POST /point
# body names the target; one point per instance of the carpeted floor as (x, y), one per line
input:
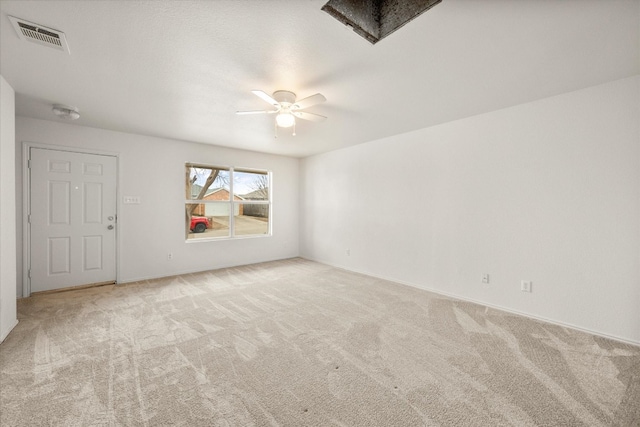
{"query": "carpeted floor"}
(297, 343)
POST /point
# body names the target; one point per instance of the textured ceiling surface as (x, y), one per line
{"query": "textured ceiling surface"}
(180, 69)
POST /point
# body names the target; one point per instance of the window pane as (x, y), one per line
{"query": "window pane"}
(251, 219)
(251, 185)
(207, 220)
(207, 183)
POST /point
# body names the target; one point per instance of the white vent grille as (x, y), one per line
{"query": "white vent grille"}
(40, 34)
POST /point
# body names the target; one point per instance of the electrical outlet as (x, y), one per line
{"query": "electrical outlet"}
(348, 252)
(526, 286)
(485, 278)
(169, 256)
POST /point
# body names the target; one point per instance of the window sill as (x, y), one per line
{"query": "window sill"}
(220, 239)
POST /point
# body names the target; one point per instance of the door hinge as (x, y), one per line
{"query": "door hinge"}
(29, 273)
(29, 219)
(29, 164)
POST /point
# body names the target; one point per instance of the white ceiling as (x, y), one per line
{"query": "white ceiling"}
(180, 69)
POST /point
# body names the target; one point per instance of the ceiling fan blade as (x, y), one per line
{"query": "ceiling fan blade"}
(309, 101)
(266, 98)
(257, 112)
(309, 116)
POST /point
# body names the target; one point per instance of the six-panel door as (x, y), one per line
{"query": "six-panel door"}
(72, 219)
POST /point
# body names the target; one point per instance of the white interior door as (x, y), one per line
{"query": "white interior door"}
(72, 219)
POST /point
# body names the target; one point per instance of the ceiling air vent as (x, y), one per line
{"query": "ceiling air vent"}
(40, 34)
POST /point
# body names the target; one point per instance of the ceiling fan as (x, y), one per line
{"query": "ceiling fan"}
(287, 108)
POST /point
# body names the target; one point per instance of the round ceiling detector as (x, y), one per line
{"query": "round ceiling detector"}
(66, 112)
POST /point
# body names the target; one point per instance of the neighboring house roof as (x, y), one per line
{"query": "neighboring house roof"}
(195, 190)
(257, 194)
(215, 190)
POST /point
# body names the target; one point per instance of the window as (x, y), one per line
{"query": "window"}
(224, 202)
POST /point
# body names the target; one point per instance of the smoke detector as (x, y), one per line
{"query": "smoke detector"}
(40, 34)
(66, 112)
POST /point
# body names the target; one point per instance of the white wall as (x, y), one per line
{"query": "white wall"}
(547, 191)
(7, 210)
(153, 168)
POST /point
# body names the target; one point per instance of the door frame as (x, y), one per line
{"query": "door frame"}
(26, 204)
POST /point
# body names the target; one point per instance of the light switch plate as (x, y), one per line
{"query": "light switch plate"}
(131, 200)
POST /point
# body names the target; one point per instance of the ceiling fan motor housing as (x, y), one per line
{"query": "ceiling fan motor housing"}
(284, 97)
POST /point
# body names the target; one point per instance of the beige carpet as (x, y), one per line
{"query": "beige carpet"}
(297, 343)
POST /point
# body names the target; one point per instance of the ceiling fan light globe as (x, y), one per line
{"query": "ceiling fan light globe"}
(285, 120)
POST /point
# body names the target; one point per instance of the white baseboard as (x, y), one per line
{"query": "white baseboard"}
(6, 334)
(483, 303)
(214, 267)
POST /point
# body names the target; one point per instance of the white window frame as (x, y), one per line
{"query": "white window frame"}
(232, 203)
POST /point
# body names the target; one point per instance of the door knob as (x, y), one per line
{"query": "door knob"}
(110, 227)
